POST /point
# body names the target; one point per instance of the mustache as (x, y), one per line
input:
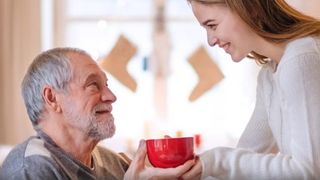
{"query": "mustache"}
(102, 107)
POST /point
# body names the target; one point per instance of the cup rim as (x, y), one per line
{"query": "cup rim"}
(172, 138)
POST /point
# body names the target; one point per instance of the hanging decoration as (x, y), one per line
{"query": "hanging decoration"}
(117, 60)
(208, 72)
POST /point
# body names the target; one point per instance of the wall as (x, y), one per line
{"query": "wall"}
(20, 41)
(309, 7)
(20, 37)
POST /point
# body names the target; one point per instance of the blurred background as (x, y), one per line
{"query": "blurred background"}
(165, 36)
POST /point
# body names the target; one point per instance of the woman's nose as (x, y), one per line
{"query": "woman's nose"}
(212, 41)
(211, 38)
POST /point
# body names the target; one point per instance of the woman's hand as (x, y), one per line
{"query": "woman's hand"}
(195, 172)
(138, 171)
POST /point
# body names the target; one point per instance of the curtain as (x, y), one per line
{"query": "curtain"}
(20, 35)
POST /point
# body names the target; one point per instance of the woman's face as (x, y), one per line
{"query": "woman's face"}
(225, 29)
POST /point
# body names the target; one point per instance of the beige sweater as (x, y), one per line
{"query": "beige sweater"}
(286, 119)
(39, 158)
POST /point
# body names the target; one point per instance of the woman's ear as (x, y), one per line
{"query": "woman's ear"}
(50, 98)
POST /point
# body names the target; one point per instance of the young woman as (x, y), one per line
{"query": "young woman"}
(282, 138)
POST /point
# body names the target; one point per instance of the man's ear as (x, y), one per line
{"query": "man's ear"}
(50, 98)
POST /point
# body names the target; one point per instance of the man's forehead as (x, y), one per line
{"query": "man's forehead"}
(84, 66)
(76, 57)
(80, 61)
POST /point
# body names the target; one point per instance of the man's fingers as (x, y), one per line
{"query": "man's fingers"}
(139, 158)
(137, 164)
(141, 152)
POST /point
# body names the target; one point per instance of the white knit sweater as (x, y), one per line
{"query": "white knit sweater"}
(286, 120)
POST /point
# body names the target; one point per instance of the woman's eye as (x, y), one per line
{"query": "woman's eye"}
(212, 26)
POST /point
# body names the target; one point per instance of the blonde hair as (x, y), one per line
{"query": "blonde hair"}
(273, 20)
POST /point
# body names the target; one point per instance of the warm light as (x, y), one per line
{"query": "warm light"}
(102, 24)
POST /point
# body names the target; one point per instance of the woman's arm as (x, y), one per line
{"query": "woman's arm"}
(257, 135)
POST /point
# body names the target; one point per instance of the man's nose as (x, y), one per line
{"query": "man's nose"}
(107, 95)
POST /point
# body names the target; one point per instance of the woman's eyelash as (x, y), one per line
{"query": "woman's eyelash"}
(212, 26)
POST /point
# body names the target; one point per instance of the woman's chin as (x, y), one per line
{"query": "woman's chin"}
(237, 58)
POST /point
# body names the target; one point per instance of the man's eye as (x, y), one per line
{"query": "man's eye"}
(94, 84)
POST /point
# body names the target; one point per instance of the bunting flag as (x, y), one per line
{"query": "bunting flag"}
(208, 72)
(116, 62)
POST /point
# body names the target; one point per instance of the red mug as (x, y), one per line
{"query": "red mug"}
(169, 152)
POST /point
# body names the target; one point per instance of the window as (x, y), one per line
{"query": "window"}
(220, 115)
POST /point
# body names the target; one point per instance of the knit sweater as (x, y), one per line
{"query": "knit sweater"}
(282, 138)
(40, 158)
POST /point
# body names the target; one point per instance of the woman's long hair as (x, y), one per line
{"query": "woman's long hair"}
(274, 20)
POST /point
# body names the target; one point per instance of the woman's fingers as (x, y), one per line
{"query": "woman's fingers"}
(195, 172)
(137, 169)
(168, 173)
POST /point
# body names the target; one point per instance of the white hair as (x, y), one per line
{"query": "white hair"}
(51, 68)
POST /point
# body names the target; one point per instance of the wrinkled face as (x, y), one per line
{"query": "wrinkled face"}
(88, 102)
(225, 29)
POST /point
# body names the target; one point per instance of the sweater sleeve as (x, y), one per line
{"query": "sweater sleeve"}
(263, 140)
(34, 167)
(299, 86)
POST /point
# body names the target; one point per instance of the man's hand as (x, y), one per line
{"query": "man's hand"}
(138, 171)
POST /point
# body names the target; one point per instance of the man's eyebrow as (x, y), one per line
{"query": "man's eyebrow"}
(90, 77)
(105, 76)
(95, 76)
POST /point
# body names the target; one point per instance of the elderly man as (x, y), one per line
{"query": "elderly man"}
(69, 104)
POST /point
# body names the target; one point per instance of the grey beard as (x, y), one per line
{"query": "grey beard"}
(89, 124)
(101, 130)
